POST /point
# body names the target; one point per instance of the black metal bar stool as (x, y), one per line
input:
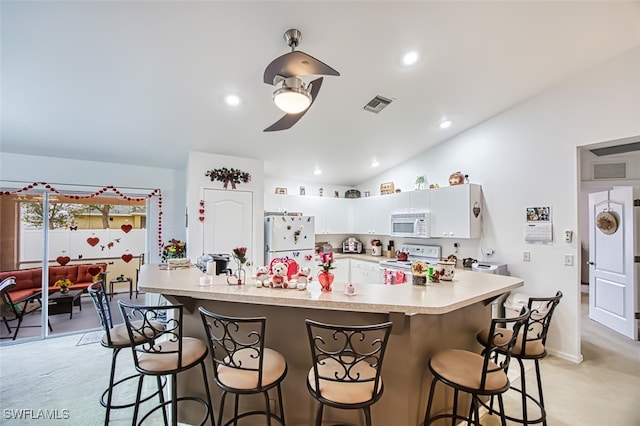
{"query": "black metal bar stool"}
(241, 363)
(116, 338)
(530, 345)
(347, 362)
(165, 352)
(475, 374)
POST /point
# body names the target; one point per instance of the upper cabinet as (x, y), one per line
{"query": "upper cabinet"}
(332, 215)
(411, 201)
(453, 211)
(371, 215)
(456, 211)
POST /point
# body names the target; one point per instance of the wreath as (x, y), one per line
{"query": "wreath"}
(229, 176)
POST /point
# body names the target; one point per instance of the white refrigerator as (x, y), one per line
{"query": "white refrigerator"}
(291, 239)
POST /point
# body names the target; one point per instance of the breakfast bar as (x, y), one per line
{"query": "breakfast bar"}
(426, 319)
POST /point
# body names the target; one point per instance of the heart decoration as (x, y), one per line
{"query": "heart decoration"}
(308, 257)
(127, 257)
(63, 260)
(201, 211)
(126, 228)
(93, 241)
(94, 270)
(201, 218)
(292, 265)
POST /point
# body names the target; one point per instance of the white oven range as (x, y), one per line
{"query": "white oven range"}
(389, 267)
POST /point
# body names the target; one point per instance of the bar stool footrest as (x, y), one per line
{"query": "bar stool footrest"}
(540, 419)
(273, 416)
(129, 404)
(208, 414)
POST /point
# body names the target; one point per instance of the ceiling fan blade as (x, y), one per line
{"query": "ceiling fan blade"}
(296, 63)
(289, 120)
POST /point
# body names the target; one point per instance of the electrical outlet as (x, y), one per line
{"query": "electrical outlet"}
(488, 252)
(568, 260)
(526, 256)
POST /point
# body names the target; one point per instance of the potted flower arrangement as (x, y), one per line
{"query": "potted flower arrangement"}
(239, 254)
(64, 285)
(325, 277)
(174, 249)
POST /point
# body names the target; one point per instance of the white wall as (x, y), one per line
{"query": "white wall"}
(62, 171)
(198, 164)
(527, 156)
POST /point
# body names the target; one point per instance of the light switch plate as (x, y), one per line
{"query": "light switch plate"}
(568, 260)
(526, 256)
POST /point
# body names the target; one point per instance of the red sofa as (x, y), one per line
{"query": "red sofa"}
(29, 281)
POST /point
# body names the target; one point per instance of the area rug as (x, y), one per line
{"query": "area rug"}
(88, 338)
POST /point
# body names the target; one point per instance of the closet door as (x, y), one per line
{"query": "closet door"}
(229, 221)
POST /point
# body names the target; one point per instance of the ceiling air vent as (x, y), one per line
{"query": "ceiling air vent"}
(377, 104)
(610, 171)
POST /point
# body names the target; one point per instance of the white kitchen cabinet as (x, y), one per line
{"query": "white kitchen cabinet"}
(341, 272)
(337, 216)
(453, 211)
(411, 201)
(372, 215)
(364, 272)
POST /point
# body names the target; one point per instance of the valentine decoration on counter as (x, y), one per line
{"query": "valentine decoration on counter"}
(126, 228)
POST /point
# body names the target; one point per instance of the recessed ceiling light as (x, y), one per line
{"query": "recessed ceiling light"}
(232, 100)
(410, 58)
(375, 163)
(445, 124)
(317, 172)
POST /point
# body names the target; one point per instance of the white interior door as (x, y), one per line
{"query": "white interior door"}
(229, 222)
(613, 288)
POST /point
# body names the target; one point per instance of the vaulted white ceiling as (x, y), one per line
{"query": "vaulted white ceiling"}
(143, 82)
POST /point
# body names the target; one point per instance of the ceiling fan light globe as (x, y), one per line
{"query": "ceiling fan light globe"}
(292, 100)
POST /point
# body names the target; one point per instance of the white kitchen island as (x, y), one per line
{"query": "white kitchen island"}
(426, 319)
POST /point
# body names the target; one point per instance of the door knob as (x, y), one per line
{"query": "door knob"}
(591, 263)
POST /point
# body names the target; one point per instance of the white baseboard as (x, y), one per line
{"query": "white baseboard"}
(564, 355)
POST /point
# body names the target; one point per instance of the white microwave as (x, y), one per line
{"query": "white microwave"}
(410, 225)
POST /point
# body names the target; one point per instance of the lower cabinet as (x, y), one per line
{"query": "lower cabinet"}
(341, 272)
(363, 272)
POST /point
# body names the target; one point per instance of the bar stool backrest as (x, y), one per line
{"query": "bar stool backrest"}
(348, 350)
(541, 311)
(502, 343)
(158, 327)
(101, 303)
(232, 340)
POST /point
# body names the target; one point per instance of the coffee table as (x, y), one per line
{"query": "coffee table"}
(63, 303)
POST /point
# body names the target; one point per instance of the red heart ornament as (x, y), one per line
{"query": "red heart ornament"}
(127, 257)
(93, 241)
(63, 260)
(126, 228)
(201, 211)
(94, 270)
(201, 218)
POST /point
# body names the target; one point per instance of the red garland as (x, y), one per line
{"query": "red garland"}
(155, 192)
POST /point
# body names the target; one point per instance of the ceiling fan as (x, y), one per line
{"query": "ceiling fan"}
(292, 95)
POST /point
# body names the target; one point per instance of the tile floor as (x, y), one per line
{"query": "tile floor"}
(59, 375)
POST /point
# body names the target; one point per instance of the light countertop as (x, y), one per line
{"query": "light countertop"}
(435, 298)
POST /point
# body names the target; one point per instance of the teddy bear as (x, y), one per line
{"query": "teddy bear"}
(303, 277)
(262, 276)
(279, 276)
